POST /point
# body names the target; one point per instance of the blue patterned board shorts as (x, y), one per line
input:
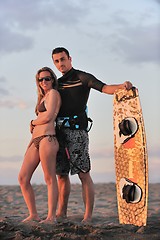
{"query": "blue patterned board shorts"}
(73, 154)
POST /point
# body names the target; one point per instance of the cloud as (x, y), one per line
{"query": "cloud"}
(130, 36)
(19, 20)
(11, 41)
(3, 80)
(154, 152)
(15, 103)
(102, 153)
(11, 159)
(135, 35)
(9, 101)
(3, 90)
(138, 44)
(31, 14)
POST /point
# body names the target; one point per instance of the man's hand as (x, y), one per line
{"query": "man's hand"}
(127, 85)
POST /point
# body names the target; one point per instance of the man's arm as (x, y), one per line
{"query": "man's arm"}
(110, 89)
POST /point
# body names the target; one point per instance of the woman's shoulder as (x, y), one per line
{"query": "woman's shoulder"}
(54, 92)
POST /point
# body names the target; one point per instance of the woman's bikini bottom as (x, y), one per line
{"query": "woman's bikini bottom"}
(37, 140)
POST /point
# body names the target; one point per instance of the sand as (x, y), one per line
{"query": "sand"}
(105, 223)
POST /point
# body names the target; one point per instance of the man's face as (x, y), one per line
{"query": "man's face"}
(62, 62)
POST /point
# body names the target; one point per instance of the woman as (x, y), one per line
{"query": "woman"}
(43, 146)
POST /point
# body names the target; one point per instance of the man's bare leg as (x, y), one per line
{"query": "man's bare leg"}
(88, 195)
(64, 191)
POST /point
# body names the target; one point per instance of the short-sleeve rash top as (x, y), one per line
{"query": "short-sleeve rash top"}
(74, 88)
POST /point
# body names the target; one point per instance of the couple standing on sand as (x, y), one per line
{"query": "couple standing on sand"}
(60, 136)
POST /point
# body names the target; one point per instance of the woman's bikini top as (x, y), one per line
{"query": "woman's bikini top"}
(41, 107)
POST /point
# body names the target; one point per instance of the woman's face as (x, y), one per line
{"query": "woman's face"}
(45, 81)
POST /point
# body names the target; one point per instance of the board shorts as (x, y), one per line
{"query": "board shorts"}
(73, 155)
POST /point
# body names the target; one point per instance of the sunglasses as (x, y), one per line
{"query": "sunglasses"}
(47, 79)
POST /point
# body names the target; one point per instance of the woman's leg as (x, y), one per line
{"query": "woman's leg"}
(48, 152)
(30, 163)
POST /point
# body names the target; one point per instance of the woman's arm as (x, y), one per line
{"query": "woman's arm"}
(51, 106)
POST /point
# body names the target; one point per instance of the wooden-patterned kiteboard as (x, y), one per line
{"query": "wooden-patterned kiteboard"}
(131, 160)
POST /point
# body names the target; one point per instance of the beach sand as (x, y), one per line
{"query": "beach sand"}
(105, 223)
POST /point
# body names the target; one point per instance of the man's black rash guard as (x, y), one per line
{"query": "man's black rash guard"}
(74, 88)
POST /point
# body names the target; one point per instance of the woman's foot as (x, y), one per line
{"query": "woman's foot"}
(32, 218)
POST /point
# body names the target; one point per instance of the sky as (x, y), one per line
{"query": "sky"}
(114, 40)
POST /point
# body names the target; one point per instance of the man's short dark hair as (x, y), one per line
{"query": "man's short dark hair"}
(59, 50)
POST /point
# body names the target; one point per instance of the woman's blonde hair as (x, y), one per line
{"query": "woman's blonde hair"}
(40, 91)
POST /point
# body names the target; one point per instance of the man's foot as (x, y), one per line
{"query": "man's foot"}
(61, 218)
(49, 221)
(87, 221)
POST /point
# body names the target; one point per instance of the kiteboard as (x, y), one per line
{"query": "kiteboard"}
(131, 159)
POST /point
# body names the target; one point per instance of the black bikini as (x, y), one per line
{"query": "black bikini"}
(36, 141)
(41, 107)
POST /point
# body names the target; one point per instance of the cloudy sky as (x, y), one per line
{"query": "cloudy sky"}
(114, 40)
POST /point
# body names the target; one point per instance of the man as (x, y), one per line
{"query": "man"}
(72, 122)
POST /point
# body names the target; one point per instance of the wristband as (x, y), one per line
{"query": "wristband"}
(32, 124)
